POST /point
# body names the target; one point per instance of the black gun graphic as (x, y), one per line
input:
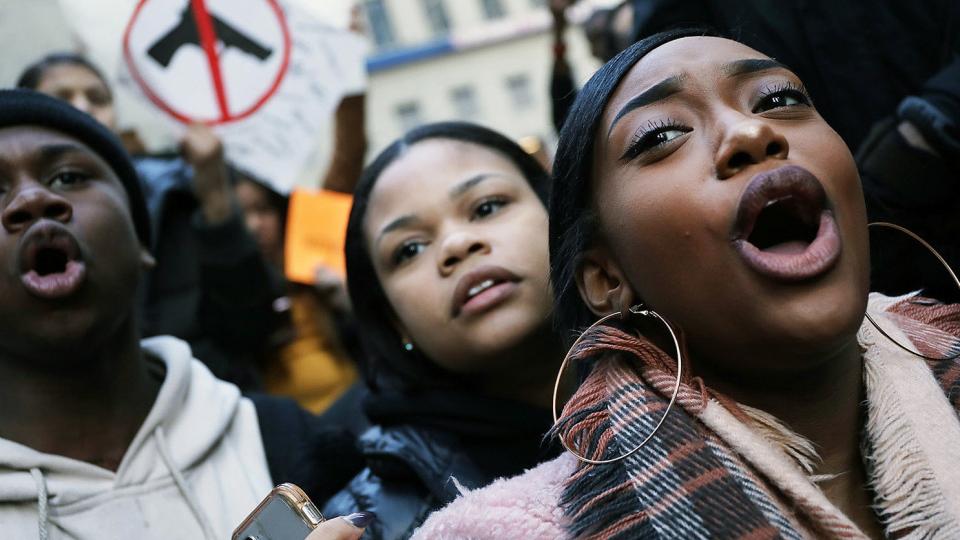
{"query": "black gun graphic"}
(185, 33)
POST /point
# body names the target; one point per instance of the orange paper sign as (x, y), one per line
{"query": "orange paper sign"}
(316, 231)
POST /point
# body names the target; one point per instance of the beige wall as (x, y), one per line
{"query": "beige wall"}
(520, 43)
(486, 69)
(30, 29)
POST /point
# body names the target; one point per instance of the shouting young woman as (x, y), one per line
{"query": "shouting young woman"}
(696, 182)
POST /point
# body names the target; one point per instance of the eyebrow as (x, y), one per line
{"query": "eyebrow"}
(752, 65)
(674, 84)
(51, 152)
(399, 223)
(455, 191)
(661, 90)
(469, 184)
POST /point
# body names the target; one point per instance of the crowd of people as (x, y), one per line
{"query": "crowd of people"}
(681, 328)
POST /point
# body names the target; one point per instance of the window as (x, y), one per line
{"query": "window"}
(380, 26)
(437, 16)
(408, 115)
(492, 9)
(465, 102)
(519, 88)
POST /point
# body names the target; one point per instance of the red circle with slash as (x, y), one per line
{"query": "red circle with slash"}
(208, 42)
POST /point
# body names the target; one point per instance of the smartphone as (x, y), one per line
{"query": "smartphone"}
(285, 514)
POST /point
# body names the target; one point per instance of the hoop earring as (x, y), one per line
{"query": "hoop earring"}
(942, 261)
(635, 310)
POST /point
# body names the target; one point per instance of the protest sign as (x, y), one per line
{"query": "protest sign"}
(210, 61)
(316, 231)
(265, 74)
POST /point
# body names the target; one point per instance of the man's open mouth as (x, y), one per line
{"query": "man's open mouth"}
(784, 227)
(51, 265)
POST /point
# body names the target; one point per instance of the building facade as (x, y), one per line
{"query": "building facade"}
(485, 61)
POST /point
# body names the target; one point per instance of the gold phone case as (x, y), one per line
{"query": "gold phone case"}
(286, 513)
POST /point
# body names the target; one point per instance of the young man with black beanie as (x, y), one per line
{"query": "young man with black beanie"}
(101, 434)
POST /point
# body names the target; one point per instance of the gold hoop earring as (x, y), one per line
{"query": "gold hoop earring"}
(940, 258)
(635, 310)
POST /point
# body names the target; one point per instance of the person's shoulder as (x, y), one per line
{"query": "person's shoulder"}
(942, 316)
(927, 324)
(927, 327)
(524, 506)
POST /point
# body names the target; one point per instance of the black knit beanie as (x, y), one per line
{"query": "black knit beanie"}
(29, 108)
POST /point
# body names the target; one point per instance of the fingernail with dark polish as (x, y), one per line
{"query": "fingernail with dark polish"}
(361, 519)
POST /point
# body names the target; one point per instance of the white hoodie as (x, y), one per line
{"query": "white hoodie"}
(194, 470)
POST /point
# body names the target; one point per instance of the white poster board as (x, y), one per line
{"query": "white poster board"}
(266, 75)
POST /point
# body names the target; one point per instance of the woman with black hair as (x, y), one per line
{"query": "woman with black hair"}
(708, 236)
(447, 272)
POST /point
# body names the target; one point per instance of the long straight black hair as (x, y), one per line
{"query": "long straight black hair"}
(387, 364)
(572, 222)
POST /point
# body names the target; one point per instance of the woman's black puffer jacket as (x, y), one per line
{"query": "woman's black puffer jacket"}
(422, 448)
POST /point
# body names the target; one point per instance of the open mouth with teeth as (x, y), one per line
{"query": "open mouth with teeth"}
(479, 288)
(784, 228)
(482, 289)
(50, 262)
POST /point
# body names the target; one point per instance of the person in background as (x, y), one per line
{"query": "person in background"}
(102, 434)
(696, 180)
(608, 31)
(306, 358)
(210, 286)
(452, 300)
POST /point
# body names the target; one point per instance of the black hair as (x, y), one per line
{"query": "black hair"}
(275, 200)
(572, 223)
(33, 74)
(388, 365)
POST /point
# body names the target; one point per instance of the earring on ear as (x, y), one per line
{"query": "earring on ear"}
(623, 308)
(940, 259)
(638, 310)
(407, 346)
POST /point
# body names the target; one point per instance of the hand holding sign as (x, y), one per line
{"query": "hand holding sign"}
(203, 150)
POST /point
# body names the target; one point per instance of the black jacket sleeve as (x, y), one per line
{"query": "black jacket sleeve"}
(236, 290)
(304, 450)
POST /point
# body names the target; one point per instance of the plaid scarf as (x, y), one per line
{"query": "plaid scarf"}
(719, 470)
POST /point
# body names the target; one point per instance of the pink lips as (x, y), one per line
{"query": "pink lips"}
(803, 204)
(50, 262)
(482, 289)
(59, 285)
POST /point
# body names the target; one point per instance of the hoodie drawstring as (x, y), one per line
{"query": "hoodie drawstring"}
(41, 482)
(182, 485)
